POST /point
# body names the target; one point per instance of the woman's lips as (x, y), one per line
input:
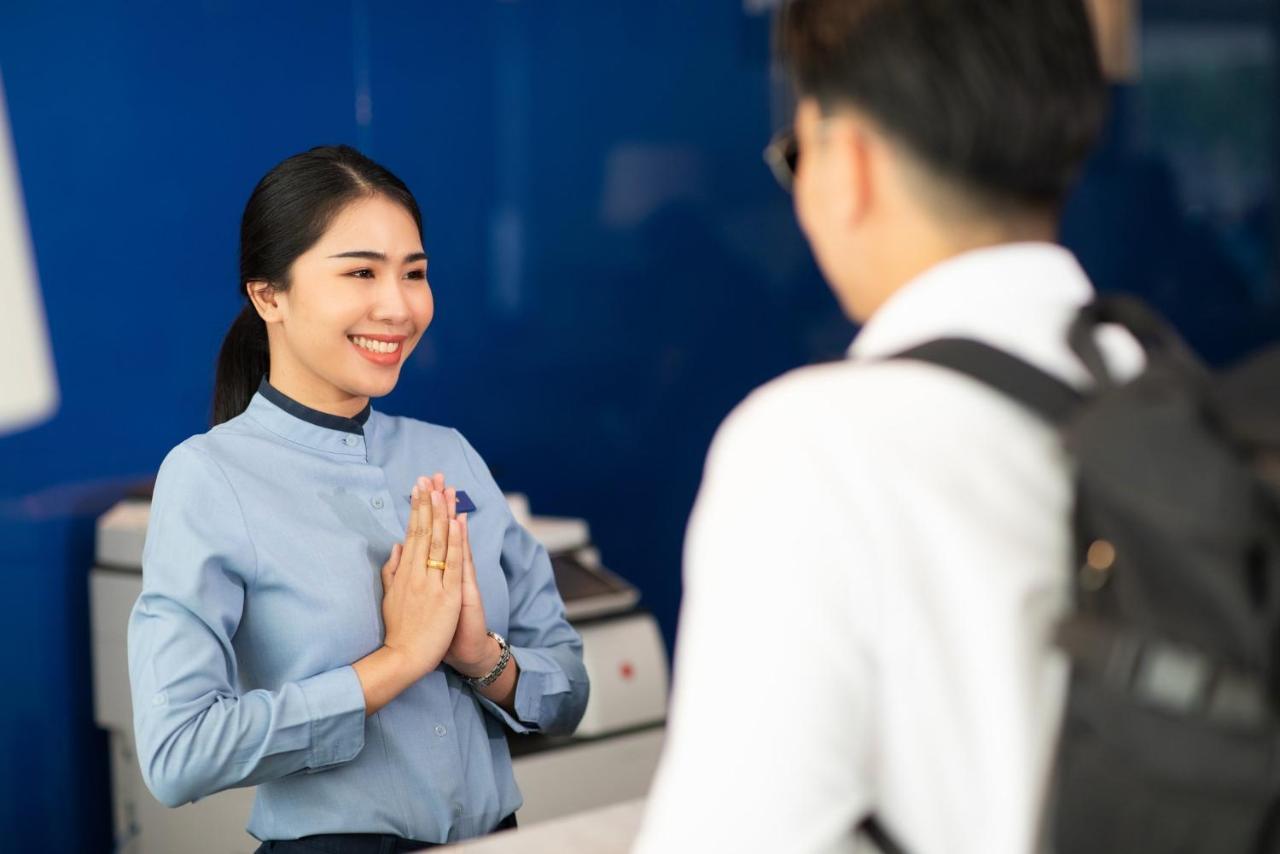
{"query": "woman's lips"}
(379, 349)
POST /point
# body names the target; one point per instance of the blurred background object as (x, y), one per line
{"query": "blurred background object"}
(1178, 202)
(613, 265)
(30, 392)
(1116, 27)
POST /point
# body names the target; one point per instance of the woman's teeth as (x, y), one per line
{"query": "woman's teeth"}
(375, 346)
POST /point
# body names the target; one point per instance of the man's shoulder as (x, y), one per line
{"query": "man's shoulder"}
(880, 397)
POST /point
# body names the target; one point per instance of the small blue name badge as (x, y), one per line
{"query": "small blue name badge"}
(465, 504)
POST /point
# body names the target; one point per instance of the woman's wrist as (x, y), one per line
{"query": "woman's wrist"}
(482, 666)
(384, 674)
(503, 689)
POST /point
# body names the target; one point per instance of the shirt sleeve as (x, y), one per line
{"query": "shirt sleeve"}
(552, 688)
(195, 734)
(767, 738)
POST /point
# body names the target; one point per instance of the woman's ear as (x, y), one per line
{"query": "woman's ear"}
(265, 302)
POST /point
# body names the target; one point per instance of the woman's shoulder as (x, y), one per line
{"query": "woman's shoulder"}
(421, 436)
(190, 467)
(404, 429)
(405, 424)
(210, 451)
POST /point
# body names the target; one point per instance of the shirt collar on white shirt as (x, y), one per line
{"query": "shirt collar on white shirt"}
(1019, 297)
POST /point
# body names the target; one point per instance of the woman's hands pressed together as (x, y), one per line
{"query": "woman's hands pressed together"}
(472, 653)
(431, 606)
(421, 601)
(422, 583)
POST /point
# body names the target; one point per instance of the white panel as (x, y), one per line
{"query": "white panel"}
(626, 661)
(28, 390)
(570, 780)
(111, 598)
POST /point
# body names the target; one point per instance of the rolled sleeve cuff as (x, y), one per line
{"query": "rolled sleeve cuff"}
(539, 676)
(335, 704)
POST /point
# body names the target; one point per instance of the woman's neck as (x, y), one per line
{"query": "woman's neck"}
(312, 391)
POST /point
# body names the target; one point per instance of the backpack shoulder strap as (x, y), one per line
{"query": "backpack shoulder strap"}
(1046, 395)
(881, 838)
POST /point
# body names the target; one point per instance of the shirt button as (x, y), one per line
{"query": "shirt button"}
(440, 730)
(457, 809)
(351, 440)
(377, 502)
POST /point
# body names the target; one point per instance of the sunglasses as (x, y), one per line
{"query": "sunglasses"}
(783, 154)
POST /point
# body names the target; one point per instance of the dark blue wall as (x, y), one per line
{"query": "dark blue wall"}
(613, 269)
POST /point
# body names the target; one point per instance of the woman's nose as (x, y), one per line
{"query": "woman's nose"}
(389, 302)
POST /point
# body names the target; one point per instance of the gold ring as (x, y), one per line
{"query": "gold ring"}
(436, 564)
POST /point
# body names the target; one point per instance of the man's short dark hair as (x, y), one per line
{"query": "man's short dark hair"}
(1003, 98)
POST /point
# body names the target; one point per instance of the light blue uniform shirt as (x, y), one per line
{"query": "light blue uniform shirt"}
(262, 585)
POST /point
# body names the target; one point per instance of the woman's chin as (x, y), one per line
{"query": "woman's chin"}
(381, 389)
(380, 386)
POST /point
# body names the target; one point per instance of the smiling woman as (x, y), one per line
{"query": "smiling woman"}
(339, 301)
(330, 249)
(312, 601)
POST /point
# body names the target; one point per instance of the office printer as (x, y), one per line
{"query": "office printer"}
(611, 758)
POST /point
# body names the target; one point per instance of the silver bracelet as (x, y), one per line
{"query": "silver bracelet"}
(492, 676)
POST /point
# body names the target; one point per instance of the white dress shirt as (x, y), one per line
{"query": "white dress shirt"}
(873, 569)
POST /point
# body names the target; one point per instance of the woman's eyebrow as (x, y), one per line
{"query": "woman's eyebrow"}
(369, 255)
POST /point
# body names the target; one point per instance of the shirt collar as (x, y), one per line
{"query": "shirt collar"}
(1019, 297)
(314, 416)
(299, 423)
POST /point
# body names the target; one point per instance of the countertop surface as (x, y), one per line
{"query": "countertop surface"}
(608, 830)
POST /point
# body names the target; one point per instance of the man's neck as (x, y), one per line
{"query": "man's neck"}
(924, 248)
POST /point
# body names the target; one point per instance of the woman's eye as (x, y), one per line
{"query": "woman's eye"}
(416, 274)
(362, 273)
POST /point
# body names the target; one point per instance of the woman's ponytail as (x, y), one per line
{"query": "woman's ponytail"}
(242, 363)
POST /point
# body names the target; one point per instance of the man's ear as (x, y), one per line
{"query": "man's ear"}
(264, 299)
(854, 150)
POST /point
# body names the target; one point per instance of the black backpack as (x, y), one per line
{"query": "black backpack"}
(1170, 737)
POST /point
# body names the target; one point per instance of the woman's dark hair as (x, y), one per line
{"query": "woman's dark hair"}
(286, 215)
(1001, 98)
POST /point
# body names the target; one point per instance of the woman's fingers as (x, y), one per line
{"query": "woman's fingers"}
(422, 521)
(414, 540)
(468, 563)
(429, 523)
(454, 562)
(439, 522)
(389, 568)
(433, 506)
(470, 587)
